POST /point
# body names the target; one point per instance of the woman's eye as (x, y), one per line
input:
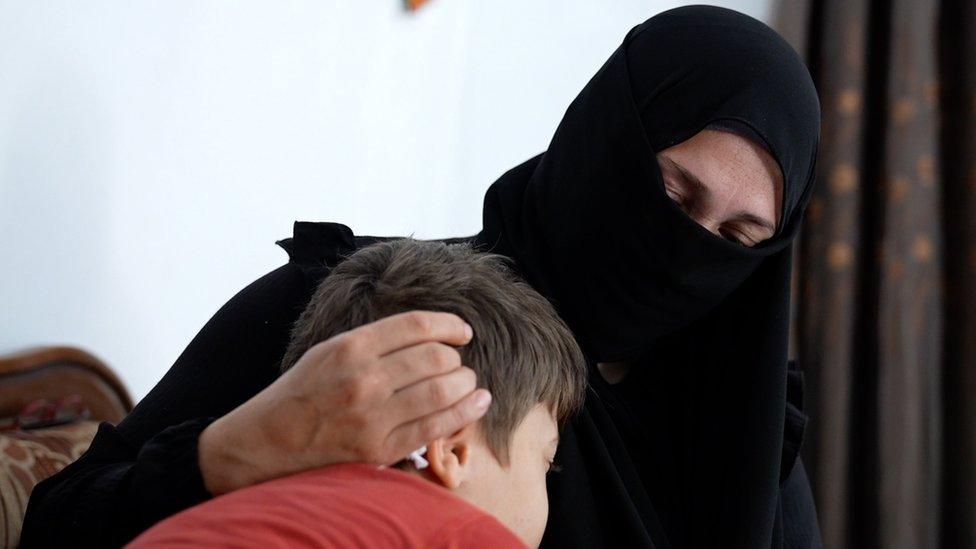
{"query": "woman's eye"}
(736, 236)
(673, 195)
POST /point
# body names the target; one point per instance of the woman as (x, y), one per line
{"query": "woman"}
(659, 221)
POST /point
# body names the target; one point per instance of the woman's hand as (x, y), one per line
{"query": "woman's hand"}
(373, 394)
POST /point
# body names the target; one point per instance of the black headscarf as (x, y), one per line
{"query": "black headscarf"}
(689, 449)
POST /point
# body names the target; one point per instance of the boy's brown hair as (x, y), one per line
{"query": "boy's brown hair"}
(522, 352)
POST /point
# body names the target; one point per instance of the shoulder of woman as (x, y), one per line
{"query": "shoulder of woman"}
(317, 247)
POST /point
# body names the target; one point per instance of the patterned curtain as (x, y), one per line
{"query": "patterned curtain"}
(885, 304)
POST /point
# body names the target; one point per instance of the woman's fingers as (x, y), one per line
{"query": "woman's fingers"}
(413, 364)
(414, 434)
(402, 330)
(432, 394)
(397, 380)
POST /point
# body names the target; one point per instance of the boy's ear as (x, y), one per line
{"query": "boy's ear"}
(450, 457)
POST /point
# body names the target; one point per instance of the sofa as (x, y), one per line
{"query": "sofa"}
(51, 402)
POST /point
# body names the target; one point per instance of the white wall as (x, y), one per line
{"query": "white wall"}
(152, 152)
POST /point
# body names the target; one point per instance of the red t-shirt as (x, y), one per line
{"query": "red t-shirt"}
(349, 505)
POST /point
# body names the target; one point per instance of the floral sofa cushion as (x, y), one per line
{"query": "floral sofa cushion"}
(28, 457)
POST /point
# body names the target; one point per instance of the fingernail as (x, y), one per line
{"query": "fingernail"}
(482, 400)
(468, 332)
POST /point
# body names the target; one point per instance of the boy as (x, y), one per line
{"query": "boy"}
(482, 486)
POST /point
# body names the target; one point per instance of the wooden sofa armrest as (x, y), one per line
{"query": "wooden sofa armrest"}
(52, 373)
(45, 376)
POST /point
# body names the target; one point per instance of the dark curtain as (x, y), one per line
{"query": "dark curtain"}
(885, 288)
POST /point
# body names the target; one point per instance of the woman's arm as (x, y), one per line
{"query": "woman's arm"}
(146, 468)
(342, 401)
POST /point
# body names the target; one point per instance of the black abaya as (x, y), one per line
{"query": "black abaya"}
(696, 447)
(692, 443)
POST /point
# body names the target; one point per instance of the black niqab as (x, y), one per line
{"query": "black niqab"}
(689, 450)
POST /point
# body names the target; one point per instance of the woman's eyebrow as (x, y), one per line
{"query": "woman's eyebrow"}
(762, 222)
(700, 188)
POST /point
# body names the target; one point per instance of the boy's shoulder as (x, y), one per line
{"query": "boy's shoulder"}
(405, 510)
(348, 505)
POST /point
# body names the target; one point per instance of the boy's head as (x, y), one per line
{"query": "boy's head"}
(521, 352)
